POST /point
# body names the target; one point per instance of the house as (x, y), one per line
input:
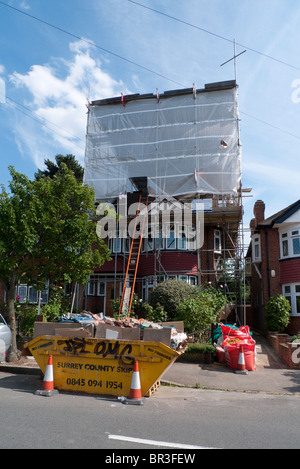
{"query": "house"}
(169, 167)
(275, 261)
(178, 151)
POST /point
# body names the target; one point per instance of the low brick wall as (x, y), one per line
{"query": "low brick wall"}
(288, 351)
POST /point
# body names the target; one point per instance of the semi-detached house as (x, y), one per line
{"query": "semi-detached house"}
(275, 261)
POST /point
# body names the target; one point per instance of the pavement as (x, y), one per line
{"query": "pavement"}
(270, 376)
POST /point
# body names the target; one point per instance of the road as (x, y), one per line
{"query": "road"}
(175, 419)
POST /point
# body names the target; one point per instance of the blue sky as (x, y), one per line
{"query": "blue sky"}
(102, 48)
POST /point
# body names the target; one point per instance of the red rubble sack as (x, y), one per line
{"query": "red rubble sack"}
(232, 351)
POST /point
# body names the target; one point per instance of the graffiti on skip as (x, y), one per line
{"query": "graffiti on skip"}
(101, 348)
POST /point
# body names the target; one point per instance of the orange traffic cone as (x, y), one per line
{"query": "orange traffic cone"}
(48, 383)
(241, 367)
(135, 394)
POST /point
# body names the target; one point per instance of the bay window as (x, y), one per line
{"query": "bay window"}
(290, 243)
(292, 294)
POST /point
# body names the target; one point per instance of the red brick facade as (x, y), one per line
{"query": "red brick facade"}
(270, 272)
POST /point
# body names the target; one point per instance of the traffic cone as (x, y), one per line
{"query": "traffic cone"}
(135, 394)
(241, 367)
(48, 383)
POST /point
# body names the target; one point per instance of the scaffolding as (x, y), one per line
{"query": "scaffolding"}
(183, 144)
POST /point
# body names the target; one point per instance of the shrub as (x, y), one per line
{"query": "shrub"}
(27, 317)
(169, 294)
(277, 313)
(157, 314)
(201, 309)
(196, 347)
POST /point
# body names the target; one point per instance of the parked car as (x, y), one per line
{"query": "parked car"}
(5, 338)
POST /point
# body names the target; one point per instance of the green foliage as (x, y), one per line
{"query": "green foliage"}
(26, 315)
(295, 338)
(54, 168)
(201, 309)
(169, 294)
(196, 347)
(57, 305)
(47, 226)
(277, 313)
(157, 314)
(142, 310)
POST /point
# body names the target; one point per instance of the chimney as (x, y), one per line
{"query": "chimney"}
(252, 226)
(259, 212)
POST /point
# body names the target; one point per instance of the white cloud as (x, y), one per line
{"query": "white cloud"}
(24, 5)
(57, 95)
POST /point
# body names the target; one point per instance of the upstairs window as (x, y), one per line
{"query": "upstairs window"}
(295, 235)
(290, 243)
(217, 241)
(284, 245)
(256, 250)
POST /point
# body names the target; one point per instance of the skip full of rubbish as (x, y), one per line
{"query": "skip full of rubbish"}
(176, 338)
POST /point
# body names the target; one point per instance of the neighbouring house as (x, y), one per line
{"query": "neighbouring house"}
(274, 255)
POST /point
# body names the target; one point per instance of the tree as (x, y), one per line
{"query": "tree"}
(53, 168)
(47, 228)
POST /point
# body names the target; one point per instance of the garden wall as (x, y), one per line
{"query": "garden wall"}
(288, 351)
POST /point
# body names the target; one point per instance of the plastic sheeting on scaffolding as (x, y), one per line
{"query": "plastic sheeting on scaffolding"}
(185, 143)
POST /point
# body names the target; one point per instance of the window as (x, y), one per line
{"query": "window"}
(22, 292)
(96, 286)
(284, 245)
(290, 243)
(101, 288)
(182, 241)
(217, 241)
(150, 282)
(256, 253)
(296, 242)
(292, 294)
(171, 239)
(32, 295)
(28, 293)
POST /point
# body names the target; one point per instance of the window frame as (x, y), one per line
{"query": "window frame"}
(256, 243)
(290, 243)
(291, 291)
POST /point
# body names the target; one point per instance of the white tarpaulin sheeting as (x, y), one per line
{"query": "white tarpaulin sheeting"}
(183, 143)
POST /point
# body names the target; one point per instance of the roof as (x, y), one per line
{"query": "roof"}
(223, 85)
(280, 216)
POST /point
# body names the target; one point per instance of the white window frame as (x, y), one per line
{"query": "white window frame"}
(28, 289)
(295, 235)
(217, 241)
(291, 291)
(256, 248)
(94, 286)
(289, 238)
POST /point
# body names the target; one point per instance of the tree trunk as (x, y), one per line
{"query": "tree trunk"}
(13, 354)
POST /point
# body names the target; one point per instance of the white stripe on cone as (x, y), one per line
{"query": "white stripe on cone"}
(48, 377)
(135, 389)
